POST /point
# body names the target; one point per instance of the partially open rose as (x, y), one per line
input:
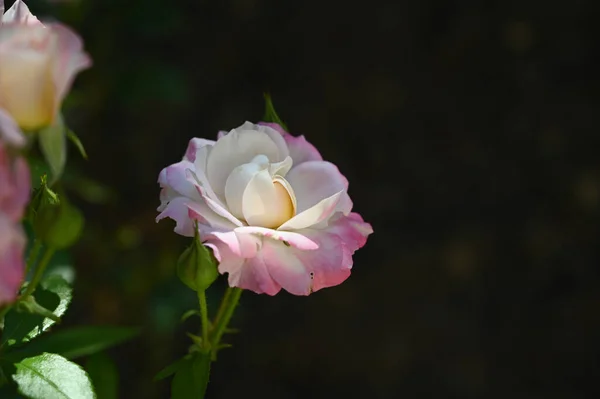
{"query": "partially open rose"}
(37, 66)
(275, 214)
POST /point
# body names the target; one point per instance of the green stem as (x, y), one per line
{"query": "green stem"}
(222, 305)
(204, 317)
(39, 273)
(230, 301)
(33, 255)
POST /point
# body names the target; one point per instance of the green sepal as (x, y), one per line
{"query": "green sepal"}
(197, 340)
(53, 144)
(42, 196)
(270, 113)
(77, 142)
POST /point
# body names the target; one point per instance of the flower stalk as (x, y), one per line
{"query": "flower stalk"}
(33, 255)
(228, 305)
(39, 273)
(204, 320)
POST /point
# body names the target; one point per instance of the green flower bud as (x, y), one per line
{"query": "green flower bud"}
(42, 195)
(58, 225)
(197, 267)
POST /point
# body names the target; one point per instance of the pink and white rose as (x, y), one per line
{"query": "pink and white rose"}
(37, 66)
(275, 214)
(14, 195)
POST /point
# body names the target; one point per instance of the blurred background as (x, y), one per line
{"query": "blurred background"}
(468, 131)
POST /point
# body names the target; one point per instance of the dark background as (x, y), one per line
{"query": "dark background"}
(468, 131)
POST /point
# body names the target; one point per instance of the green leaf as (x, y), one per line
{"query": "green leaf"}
(53, 294)
(53, 143)
(57, 285)
(75, 342)
(50, 376)
(20, 326)
(191, 379)
(75, 140)
(103, 372)
(169, 370)
(270, 114)
(17, 326)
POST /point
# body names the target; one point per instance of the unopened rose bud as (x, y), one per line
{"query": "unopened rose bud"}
(58, 226)
(196, 266)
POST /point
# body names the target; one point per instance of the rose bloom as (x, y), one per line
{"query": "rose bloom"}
(37, 66)
(275, 214)
(14, 195)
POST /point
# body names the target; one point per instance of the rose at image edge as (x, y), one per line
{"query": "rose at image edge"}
(38, 64)
(14, 195)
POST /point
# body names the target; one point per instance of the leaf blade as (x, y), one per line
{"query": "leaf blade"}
(52, 376)
(58, 286)
(75, 342)
(54, 294)
(191, 379)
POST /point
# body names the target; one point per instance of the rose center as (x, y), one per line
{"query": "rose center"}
(280, 210)
(258, 193)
